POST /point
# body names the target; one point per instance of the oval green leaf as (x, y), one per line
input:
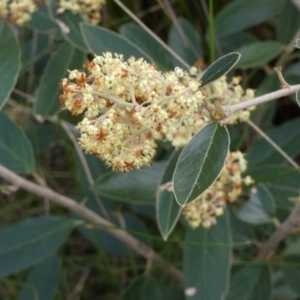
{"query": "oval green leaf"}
(42, 281)
(200, 162)
(10, 61)
(15, 149)
(258, 54)
(251, 283)
(102, 40)
(47, 99)
(184, 40)
(148, 44)
(242, 14)
(260, 208)
(167, 209)
(29, 242)
(206, 260)
(219, 68)
(137, 186)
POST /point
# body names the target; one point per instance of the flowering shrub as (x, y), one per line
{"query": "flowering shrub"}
(154, 159)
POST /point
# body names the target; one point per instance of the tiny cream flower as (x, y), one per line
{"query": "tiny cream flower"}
(89, 9)
(17, 11)
(132, 105)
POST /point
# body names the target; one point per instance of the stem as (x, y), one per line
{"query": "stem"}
(280, 233)
(85, 167)
(162, 43)
(274, 145)
(113, 99)
(89, 215)
(262, 99)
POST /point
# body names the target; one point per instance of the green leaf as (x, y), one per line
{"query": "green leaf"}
(15, 149)
(40, 46)
(282, 182)
(260, 208)
(43, 280)
(242, 14)
(290, 267)
(298, 97)
(241, 232)
(102, 40)
(137, 186)
(29, 242)
(236, 40)
(105, 241)
(184, 40)
(286, 136)
(9, 61)
(288, 23)
(258, 54)
(144, 288)
(206, 266)
(251, 283)
(167, 209)
(43, 136)
(69, 25)
(200, 162)
(66, 58)
(148, 44)
(219, 68)
(41, 21)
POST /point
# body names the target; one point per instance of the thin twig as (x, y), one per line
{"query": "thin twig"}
(85, 166)
(230, 109)
(162, 43)
(41, 181)
(91, 216)
(285, 229)
(183, 36)
(274, 145)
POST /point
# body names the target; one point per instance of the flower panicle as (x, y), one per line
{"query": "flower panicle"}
(128, 105)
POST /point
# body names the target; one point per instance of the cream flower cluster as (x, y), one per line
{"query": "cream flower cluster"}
(17, 11)
(89, 9)
(216, 94)
(227, 188)
(129, 105)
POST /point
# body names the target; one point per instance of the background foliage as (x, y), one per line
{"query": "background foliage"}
(47, 252)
